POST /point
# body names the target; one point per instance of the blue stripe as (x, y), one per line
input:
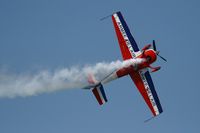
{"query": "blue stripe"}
(131, 39)
(153, 91)
(102, 92)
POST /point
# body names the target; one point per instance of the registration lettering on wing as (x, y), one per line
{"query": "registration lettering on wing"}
(149, 93)
(123, 32)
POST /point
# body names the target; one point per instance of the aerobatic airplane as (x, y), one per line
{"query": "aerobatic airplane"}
(138, 71)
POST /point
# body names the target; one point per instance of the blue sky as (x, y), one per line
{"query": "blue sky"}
(44, 34)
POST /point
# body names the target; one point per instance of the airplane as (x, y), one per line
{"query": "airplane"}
(138, 71)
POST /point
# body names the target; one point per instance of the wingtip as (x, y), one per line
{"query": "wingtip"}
(147, 120)
(103, 18)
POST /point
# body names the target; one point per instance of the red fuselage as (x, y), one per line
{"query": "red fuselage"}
(148, 56)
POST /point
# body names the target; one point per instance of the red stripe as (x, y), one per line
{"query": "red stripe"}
(140, 85)
(96, 94)
(122, 43)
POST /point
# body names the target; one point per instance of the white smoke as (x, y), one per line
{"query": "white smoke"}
(13, 85)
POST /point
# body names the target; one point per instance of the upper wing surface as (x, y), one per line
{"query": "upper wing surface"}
(144, 83)
(128, 46)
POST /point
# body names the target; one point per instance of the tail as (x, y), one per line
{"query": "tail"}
(97, 90)
(99, 94)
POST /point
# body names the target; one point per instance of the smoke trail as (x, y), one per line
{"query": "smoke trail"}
(12, 85)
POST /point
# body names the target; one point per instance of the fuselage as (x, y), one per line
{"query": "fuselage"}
(142, 61)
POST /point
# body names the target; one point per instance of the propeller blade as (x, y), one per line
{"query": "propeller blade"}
(162, 57)
(157, 52)
(154, 45)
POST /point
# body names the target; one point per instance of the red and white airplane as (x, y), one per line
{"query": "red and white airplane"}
(138, 71)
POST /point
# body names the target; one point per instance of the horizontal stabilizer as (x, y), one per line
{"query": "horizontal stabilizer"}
(99, 94)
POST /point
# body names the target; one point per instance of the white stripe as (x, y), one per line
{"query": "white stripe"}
(100, 94)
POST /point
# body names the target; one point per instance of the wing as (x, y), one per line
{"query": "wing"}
(144, 83)
(128, 46)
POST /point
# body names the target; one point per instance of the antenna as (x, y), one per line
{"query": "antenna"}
(149, 119)
(105, 17)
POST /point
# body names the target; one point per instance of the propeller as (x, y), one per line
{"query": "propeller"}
(154, 45)
(157, 52)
